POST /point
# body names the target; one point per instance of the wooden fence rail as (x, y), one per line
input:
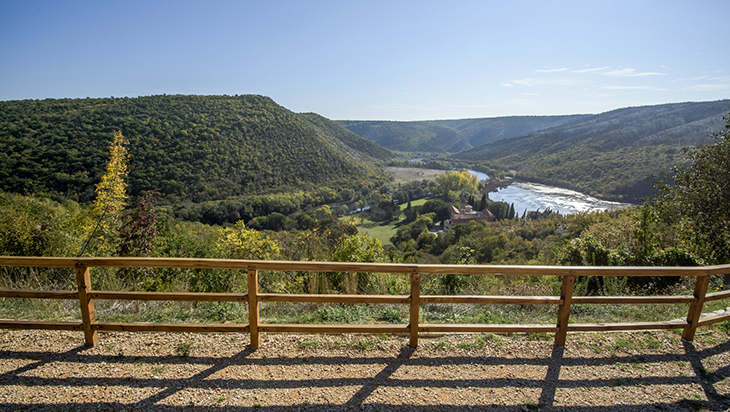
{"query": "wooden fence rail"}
(90, 326)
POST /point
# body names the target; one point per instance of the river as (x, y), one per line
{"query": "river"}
(534, 196)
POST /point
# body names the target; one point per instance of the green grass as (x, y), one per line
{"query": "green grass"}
(382, 232)
(414, 203)
(308, 344)
(183, 350)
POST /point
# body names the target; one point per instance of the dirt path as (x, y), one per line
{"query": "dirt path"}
(51, 370)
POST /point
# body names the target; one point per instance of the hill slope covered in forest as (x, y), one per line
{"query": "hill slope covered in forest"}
(610, 154)
(448, 136)
(195, 148)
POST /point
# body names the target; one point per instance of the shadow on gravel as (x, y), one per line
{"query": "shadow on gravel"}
(209, 376)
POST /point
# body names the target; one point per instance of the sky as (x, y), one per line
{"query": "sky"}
(374, 60)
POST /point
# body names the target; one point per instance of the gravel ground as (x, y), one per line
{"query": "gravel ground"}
(641, 371)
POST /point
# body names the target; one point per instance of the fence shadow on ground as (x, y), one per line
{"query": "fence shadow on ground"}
(240, 382)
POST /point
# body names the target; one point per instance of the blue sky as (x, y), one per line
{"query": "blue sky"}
(385, 60)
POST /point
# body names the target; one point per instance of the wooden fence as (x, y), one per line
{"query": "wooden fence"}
(86, 296)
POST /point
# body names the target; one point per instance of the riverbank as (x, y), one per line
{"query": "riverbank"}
(492, 185)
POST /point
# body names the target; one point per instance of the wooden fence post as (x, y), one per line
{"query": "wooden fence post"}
(253, 307)
(88, 314)
(415, 303)
(566, 295)
(695, 308)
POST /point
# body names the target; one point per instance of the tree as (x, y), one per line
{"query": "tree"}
(699, 198)
(137, 235)
(240, 242)
(454, 183)
(357, 248)
(137, 238)
(111, 196)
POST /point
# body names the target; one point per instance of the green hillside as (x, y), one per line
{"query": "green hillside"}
(426, 136)
(345, 140)
(448, 136)
(607, 155)
(193, 148)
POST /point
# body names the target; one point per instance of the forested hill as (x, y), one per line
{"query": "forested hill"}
(610, 154)
(448, 136)
(195, 148)
(345, 140)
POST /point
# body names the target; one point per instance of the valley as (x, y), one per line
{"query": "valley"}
(240, 177)
(219, 168)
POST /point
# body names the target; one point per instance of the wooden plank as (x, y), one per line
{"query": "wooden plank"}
(38, 324)
(558, 270)
(192, 263)
(38, 294)
(497, 300)
(88, 315)
(497, 328)
(566, 295)
(173, 296)
(717, 270)
(170, 327)
(357, 267)
(612, 300)
(603, 327)
(414, 310)
(330, 298)
(709, 320)
(333, 328)
(695, 308)
(253, 307)
(725, 294)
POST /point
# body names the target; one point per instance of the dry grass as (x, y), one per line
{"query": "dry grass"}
(409, 174)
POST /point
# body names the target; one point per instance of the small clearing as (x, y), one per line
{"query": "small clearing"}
(412, 174)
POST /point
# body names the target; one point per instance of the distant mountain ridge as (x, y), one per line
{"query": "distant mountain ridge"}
(608, 154)
(450, 136)
(186, 148)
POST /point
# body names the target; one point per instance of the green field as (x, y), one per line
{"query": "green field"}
(382, 231)
(376, 230)
(418, 202)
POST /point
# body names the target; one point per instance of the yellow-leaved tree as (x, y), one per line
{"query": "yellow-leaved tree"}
(452, 183)
(240, 242)
(237, 242)
(111, 196)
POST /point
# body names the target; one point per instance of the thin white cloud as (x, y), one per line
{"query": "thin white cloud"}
(627, 72)
(690, 79)
(531, 81)
(708, 87)
(551, 70)
(595, 69)
(507, 84)
(626, 87)
(520, 102)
